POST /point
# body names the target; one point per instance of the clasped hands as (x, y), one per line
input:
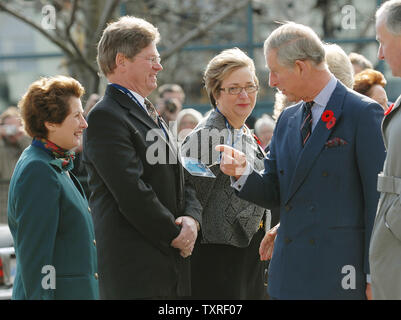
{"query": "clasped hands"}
(185, 241)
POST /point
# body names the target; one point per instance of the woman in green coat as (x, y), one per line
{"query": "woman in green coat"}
(48, 213)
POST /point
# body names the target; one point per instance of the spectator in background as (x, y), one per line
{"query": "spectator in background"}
(359, 62)
(339, 64)
(170, 101)
(13, 140)
(280, 103)
(92, 100)
(187, 120)
(371, 83)
(264, 128)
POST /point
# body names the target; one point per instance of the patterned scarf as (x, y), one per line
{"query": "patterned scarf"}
(63, 159)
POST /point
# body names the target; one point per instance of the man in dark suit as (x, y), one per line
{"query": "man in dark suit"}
(146, 221)
(322, 168)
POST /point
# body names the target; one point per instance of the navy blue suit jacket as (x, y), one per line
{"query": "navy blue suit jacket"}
(327, 198)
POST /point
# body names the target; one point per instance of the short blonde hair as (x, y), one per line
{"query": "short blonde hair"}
(221, 66)
(339, 64)
(360, 61)
(129, 35)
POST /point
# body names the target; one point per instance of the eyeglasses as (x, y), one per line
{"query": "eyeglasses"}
(238, 90)
(153, 60)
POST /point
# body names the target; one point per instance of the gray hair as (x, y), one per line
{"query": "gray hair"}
(265, 120)
(129, 35)
(293, 42)
(391, 12)
(339, 64)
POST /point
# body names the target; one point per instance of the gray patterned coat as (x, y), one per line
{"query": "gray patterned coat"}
(226, 219)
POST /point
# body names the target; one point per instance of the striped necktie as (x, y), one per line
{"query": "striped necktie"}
(151, 110)
(306, 127)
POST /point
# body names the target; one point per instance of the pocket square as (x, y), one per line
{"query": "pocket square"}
(335, 142)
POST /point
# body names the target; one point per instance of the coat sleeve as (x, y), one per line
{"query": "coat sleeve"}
(263, 188)
(370, 153)
(37, 210)
(110, 147)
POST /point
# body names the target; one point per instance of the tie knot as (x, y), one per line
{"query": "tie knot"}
(308, 105)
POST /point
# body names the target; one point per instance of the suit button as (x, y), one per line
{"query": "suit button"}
(325, 174)
(89, 209)
(94, 242)
(312, 241)
(282, 172)
(96, 276)
(288, 207)
(312, 208)
(287, 240)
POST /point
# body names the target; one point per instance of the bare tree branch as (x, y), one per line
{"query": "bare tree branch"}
(53, 39)
(204, 27)
(72, 18)
(107, 14)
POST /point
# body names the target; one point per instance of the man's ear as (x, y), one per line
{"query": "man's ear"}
(120, 59)
(301, 67)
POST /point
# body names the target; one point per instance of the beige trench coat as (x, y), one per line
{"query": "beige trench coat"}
(385, 244)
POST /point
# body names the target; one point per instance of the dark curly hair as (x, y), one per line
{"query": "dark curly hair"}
(47, 100)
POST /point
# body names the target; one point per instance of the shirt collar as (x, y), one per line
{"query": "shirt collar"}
(324, 96)
(140, 99)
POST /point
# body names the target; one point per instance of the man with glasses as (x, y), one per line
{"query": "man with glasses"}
(146, 221)
(321, 171)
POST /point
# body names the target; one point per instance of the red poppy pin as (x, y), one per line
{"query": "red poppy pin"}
(328, 117)
(389, 109)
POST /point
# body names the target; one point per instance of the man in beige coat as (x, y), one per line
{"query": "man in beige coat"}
(385, 246)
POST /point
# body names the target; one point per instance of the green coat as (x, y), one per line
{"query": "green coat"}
(51, 224)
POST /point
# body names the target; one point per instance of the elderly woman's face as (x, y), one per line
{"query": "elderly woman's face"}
(237, 107)
(68, 134)
(378, 94)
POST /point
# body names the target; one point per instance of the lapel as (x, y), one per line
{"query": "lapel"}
(294, 136)
(387, 118)
(139, 113)
(315, 144)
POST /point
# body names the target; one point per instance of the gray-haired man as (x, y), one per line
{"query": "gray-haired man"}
(385, 247)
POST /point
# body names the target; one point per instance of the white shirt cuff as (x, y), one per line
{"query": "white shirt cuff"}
(368, 279)
(238, 184)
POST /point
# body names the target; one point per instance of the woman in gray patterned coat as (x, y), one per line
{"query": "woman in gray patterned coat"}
(225, 263)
